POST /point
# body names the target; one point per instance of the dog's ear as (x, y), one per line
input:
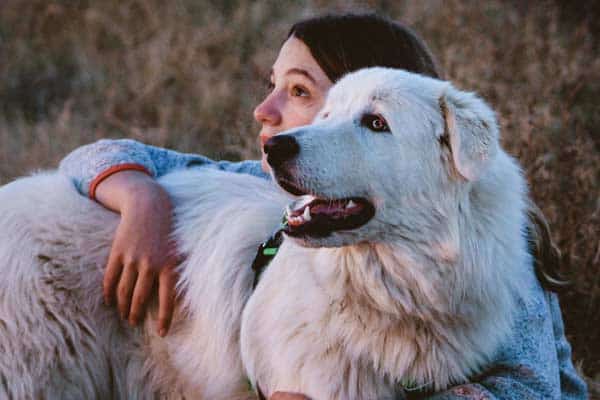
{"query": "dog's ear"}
(470, 130)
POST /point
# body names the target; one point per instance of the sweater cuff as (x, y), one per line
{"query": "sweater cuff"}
(113, 170)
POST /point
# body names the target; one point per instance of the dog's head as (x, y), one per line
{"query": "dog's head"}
(389, 154)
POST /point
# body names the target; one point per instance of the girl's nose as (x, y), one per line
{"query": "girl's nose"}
(268, 112)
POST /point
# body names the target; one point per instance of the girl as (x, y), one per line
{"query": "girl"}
(119, 174)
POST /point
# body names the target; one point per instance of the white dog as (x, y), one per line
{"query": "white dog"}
(403, 260)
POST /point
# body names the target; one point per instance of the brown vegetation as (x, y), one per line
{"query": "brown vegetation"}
(186, 74)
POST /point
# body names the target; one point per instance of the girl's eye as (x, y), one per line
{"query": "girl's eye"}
(375, 123)
(299, 91)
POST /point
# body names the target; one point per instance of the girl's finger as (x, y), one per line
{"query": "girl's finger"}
(125, 289)
(141, 293)
(166, 299)
(114, 267)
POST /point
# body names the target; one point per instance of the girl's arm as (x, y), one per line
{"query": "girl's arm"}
(572, 385)
(89, 165)
(119, 174)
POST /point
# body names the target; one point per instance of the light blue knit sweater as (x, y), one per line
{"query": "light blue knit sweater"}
(535, 363)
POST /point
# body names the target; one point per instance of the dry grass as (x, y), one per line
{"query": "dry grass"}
(186, 74)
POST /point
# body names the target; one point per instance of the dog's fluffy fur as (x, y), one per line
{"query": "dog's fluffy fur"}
(421, 295)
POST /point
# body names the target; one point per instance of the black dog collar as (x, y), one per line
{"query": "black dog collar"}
(266, 251)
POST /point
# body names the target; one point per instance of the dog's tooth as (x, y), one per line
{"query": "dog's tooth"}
(350, 204)
(307, 199)
(302, 201)
(306, 213)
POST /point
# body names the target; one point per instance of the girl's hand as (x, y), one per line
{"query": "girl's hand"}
(142, 253)
(288, 396)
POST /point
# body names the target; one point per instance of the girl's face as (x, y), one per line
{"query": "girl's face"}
(298, 89)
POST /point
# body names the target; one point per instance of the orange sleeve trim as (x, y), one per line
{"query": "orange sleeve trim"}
(113, 170)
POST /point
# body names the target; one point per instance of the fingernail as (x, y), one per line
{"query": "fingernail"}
(162, 332)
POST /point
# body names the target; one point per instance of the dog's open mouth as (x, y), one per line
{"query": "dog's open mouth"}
(313, 216)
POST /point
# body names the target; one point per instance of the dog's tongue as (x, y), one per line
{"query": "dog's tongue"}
(336, 207)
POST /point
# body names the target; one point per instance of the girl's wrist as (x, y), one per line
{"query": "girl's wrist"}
(145, 195)
(130, 190)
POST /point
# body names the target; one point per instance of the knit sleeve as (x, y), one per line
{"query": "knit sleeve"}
(572, 385)
(89, 165)
(534, 363)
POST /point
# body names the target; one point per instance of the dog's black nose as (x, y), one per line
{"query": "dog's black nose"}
(280, 149)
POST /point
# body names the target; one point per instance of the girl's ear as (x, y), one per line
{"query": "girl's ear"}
(471, 129)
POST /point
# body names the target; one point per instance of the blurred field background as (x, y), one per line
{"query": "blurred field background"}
(186, 74)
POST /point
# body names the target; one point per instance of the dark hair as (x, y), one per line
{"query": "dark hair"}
(347, 42)
(546, 254)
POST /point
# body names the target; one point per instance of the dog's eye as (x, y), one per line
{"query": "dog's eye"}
(375, 123)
